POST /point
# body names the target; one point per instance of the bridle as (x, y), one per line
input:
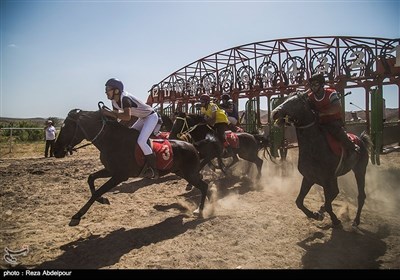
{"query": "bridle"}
(70, 148)
(186, 125)
(306, 106)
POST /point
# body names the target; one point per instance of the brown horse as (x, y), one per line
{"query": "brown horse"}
(117, 144)
(317, 163)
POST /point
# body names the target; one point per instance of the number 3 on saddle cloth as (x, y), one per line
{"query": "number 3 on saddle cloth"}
(336, 146)
(163, 151)
(231, 139)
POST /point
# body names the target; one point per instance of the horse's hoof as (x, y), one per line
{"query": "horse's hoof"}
(337, 224)
(103, 200)
(188, 187)
(74, 222)
(197, 211)
(319, 216)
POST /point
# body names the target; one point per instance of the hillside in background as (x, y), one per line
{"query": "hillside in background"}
(39, 122)
(391, 116)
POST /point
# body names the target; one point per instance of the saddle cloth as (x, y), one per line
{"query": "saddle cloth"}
(162, 135)
(336, 146)
(231, 139)
(163, 151)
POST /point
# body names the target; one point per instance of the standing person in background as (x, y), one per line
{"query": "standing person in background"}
(50, 135)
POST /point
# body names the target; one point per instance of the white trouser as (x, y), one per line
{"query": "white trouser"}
(158, 125)
(145, 126)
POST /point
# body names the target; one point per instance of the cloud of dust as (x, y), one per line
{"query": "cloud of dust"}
(381, 187)
(283, 176)
(217, 203)
(284, 179)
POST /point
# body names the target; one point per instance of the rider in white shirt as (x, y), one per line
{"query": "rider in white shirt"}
(125, 106)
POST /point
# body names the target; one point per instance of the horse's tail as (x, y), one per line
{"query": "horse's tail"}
(366, 139)
(263, 144)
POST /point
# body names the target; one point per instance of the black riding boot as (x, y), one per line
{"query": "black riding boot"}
(151, 163)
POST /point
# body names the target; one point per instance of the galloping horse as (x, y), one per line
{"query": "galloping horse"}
(196, 126)
(117, 153)
(167, 123)
(317, 162)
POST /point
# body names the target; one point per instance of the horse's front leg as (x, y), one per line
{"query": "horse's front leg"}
(305, 188)
(112, 182)
(103, 173)
(235, 159)
(259, 163)
(330, 192)
(195, 180)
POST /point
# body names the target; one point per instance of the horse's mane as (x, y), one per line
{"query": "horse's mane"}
(297, 92)
(196, 118)
(95, 116)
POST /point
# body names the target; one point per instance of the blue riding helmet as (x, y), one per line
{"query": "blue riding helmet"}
(115, 84)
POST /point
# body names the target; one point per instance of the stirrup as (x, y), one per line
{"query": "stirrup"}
(154, 175)
(144, 171)
(149, 173)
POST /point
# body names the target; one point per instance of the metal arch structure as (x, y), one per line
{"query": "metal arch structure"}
(278, 67)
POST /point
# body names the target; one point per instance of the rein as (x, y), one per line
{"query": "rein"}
(69, 146)
(185, 124)
(306, 107)
(307, 125)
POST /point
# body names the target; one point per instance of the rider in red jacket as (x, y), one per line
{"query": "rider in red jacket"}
(326, 102)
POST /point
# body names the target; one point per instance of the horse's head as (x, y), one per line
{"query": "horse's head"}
(166, 123)
(75, 128)
(69, 136)
(294, 110)
(179, 126)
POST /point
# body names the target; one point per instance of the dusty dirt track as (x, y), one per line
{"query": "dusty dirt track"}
(150, 225)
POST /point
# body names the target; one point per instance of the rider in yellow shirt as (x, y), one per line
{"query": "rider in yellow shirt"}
(214, 116)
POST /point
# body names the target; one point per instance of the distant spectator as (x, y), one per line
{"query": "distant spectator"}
(50, 132)
(354, 117)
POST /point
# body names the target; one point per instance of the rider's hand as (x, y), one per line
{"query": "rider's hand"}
(108, 113)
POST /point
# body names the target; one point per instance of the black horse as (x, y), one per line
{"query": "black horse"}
(166, 123)
(197, 128)
(317, 162)
(117, 144)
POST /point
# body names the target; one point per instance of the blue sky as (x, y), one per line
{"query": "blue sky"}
(57, 55)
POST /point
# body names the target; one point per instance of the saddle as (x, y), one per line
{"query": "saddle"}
(235, 128)
(162, 149)
(231, 139)
(336, 146)
(161, 135)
